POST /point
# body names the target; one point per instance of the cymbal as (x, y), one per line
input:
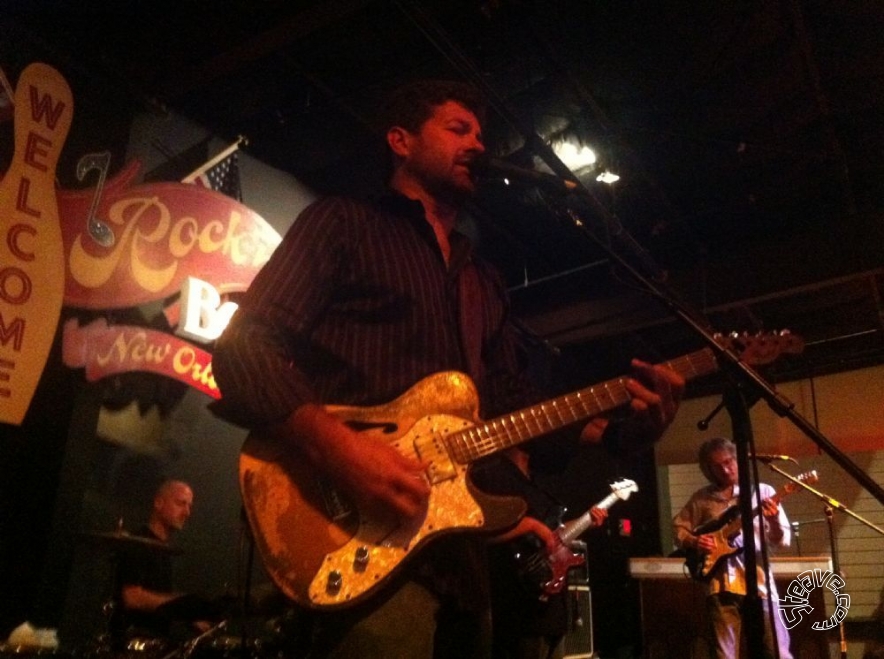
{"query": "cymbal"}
(123, 540)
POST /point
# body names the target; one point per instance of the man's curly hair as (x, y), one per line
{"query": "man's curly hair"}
(412, 104)
(709, 447)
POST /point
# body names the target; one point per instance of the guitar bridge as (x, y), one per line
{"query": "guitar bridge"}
(431, 448)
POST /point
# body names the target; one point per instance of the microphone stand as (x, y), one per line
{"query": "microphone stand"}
(744, 381)
(614, 228)
(836, 568)
(739, 372)
(729, 361)
(831, 506)
(738, 407)
(829, 501)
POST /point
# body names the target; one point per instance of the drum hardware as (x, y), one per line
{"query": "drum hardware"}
(233, 637)
(117, 543)
(188, 648)
(121, 540)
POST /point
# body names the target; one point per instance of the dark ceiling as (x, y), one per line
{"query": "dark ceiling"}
(749, 138)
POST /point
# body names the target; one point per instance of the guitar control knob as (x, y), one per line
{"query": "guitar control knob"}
(335, 581)
(360, 559)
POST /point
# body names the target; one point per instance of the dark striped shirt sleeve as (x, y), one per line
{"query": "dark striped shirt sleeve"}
(254, 360)
(355, 306)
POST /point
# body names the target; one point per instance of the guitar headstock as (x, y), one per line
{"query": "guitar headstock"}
(623, 488)
(808, 478)
(762, 348)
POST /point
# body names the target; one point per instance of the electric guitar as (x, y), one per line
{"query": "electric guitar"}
(549, 570)
(322, 551)
(725, 529)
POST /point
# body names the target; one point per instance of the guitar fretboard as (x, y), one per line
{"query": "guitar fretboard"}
(512, 429)
(736, 523)
(574, 528)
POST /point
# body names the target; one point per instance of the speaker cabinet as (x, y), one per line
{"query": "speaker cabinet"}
(578, 642)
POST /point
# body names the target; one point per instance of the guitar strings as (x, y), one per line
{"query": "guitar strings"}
(509, 430)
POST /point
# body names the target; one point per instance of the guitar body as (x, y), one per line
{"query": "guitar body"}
(560, 562)
(320, 549)
(549, 570)
(726, 529)
(702, 565)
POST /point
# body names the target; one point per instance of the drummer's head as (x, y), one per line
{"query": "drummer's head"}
(171, 507)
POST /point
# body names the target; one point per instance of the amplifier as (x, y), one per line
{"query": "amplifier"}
(578, 642)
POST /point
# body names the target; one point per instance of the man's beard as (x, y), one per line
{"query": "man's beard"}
(450, 191)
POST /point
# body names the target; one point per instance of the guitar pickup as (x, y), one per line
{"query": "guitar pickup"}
(336, 507)
(430, 448)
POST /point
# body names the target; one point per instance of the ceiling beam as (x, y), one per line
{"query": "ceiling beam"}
(237, 58)
(590, 320)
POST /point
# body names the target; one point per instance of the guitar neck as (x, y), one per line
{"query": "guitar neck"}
(736, 524)
(575, 527)
(512, 429)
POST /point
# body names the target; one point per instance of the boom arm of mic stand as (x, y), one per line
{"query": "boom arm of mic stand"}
(533, 140)
(729, 361)
(831, 504)
(825, 498)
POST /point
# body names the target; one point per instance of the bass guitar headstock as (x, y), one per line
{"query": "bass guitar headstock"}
(761, 348)
(624, 488)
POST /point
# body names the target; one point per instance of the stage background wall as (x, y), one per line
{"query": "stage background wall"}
(847, 408)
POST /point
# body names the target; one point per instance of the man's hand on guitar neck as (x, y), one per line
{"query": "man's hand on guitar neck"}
(598, 515)
(770, 510)
(549, 537)
(371, 472)
(655, 391)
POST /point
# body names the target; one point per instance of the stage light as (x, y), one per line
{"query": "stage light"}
(607, 177)
(574, 156)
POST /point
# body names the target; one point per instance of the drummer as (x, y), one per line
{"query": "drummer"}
(147, 603)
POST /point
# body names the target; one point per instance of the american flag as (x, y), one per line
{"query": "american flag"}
(223, 177)
(7, 98)
(220, 173)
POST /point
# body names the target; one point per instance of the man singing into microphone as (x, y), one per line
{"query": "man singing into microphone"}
(361, 300)
(726, 594)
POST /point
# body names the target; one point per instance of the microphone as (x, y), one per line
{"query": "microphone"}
(497, 168)
(768, 457)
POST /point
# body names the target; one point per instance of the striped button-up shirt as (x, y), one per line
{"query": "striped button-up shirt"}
(356, 305)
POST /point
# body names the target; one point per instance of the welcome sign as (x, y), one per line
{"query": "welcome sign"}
(154, 239)
(32, 263)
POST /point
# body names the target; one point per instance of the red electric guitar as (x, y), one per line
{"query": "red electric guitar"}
(549, 570)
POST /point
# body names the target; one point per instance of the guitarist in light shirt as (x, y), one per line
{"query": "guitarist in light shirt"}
(727, 581)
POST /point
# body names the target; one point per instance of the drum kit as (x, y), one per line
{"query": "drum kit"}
(239, 635)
